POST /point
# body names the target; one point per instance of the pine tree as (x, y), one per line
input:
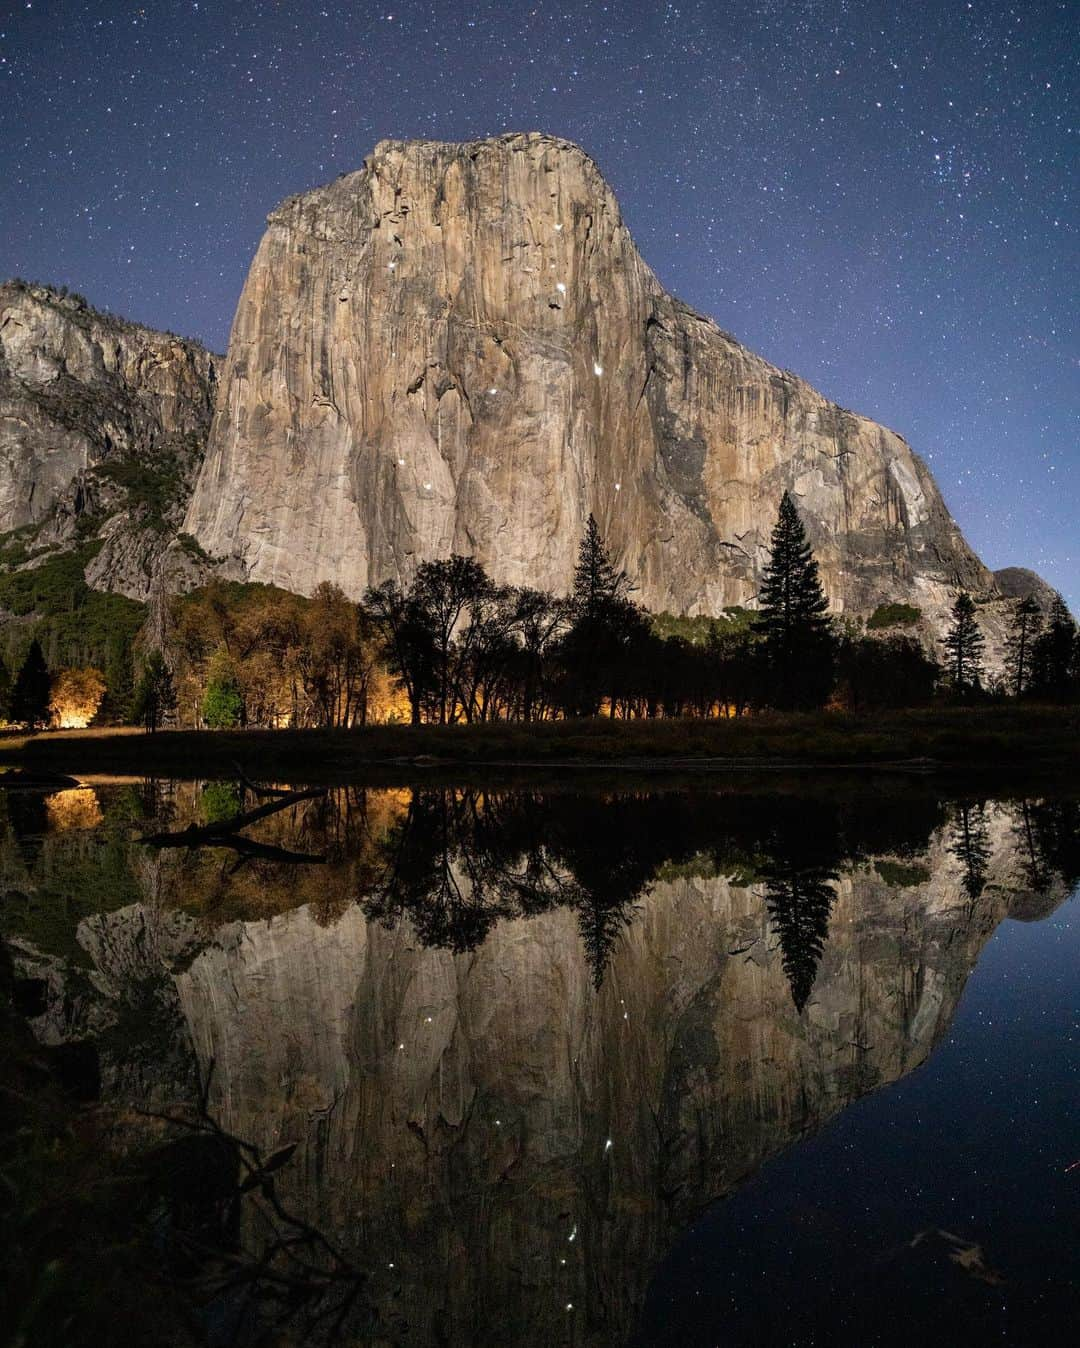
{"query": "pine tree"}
(606, 623)
(792, 608)
(800, 904)
(155, 693)
(970, 845)
(30, 694)
(964, 644)
(5, 692)
(1024, 632)
(597, 583)
(1054, 655)
(600, 926)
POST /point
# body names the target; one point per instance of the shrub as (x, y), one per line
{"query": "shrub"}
(893, 615)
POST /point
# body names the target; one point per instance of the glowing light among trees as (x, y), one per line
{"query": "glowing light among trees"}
(74, 697)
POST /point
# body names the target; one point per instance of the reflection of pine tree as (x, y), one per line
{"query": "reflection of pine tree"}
(971, 847)
(800, 904)
(600, 926)
(1037, 874)
(1056, 831)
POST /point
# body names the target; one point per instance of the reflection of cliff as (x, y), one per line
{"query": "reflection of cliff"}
(519, 1038)
(511, 1149)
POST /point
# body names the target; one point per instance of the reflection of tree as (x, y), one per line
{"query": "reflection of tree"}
(800, 903)
(1037, 875)
(970, 845)
(460, 859)
(1055, 828)
(430, 869)
(601, 926)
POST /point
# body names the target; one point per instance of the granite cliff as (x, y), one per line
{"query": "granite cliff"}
(458, 347)
(103, 424)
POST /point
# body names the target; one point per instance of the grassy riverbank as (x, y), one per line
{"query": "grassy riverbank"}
(952, 737)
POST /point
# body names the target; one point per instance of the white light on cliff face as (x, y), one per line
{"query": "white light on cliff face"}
(618, 486)
(391, 266)
(560, 288)
(427, 486)
(597, 369)
(493, 391)
(558, 229)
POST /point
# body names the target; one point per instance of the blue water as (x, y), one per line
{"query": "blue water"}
(817, 1248)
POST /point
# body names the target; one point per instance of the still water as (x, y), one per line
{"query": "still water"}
(696, 1066)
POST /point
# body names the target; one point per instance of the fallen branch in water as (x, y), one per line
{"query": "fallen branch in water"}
(197, 834)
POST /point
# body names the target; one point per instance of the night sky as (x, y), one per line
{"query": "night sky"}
(873, 195)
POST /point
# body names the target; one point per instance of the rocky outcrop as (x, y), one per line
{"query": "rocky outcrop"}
(1017, 582)
(458, 347)
(102, 427)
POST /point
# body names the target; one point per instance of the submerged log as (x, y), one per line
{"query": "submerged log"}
(219, 834)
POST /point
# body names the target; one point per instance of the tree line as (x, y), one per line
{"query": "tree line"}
(454, 647)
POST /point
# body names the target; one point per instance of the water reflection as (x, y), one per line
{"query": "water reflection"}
(518, 1038)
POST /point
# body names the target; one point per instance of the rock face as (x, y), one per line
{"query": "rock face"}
(1017, 582)
(102, 426)
(459, 348)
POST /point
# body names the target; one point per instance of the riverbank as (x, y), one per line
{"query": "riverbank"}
(948, 738)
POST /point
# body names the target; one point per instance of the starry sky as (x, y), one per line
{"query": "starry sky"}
(874, 195)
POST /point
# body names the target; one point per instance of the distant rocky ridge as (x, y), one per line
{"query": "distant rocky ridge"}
(457, 347)
(103, 425)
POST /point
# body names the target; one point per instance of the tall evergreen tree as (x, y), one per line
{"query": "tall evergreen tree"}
(791, 618)
(606, 625)
(30, 694)
(970, 845)
(155, 693)
(1054, 655)
(800, 904)
(964, 643)
(600, 925)
(597, 582)
(1023, 633)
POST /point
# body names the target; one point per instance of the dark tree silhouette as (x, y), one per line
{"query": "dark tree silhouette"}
(971, 846)
(597, 582)
(30, 693)
(1037, 871)
(606, 626)
(791, 617)
(1054, 656)
(406, 642)
(964, 644)
(600, 926)
(1023, 633)
(443, 593)
(155, 694)
(800, 904)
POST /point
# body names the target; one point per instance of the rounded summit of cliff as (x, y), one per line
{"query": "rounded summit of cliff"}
(513, 170)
